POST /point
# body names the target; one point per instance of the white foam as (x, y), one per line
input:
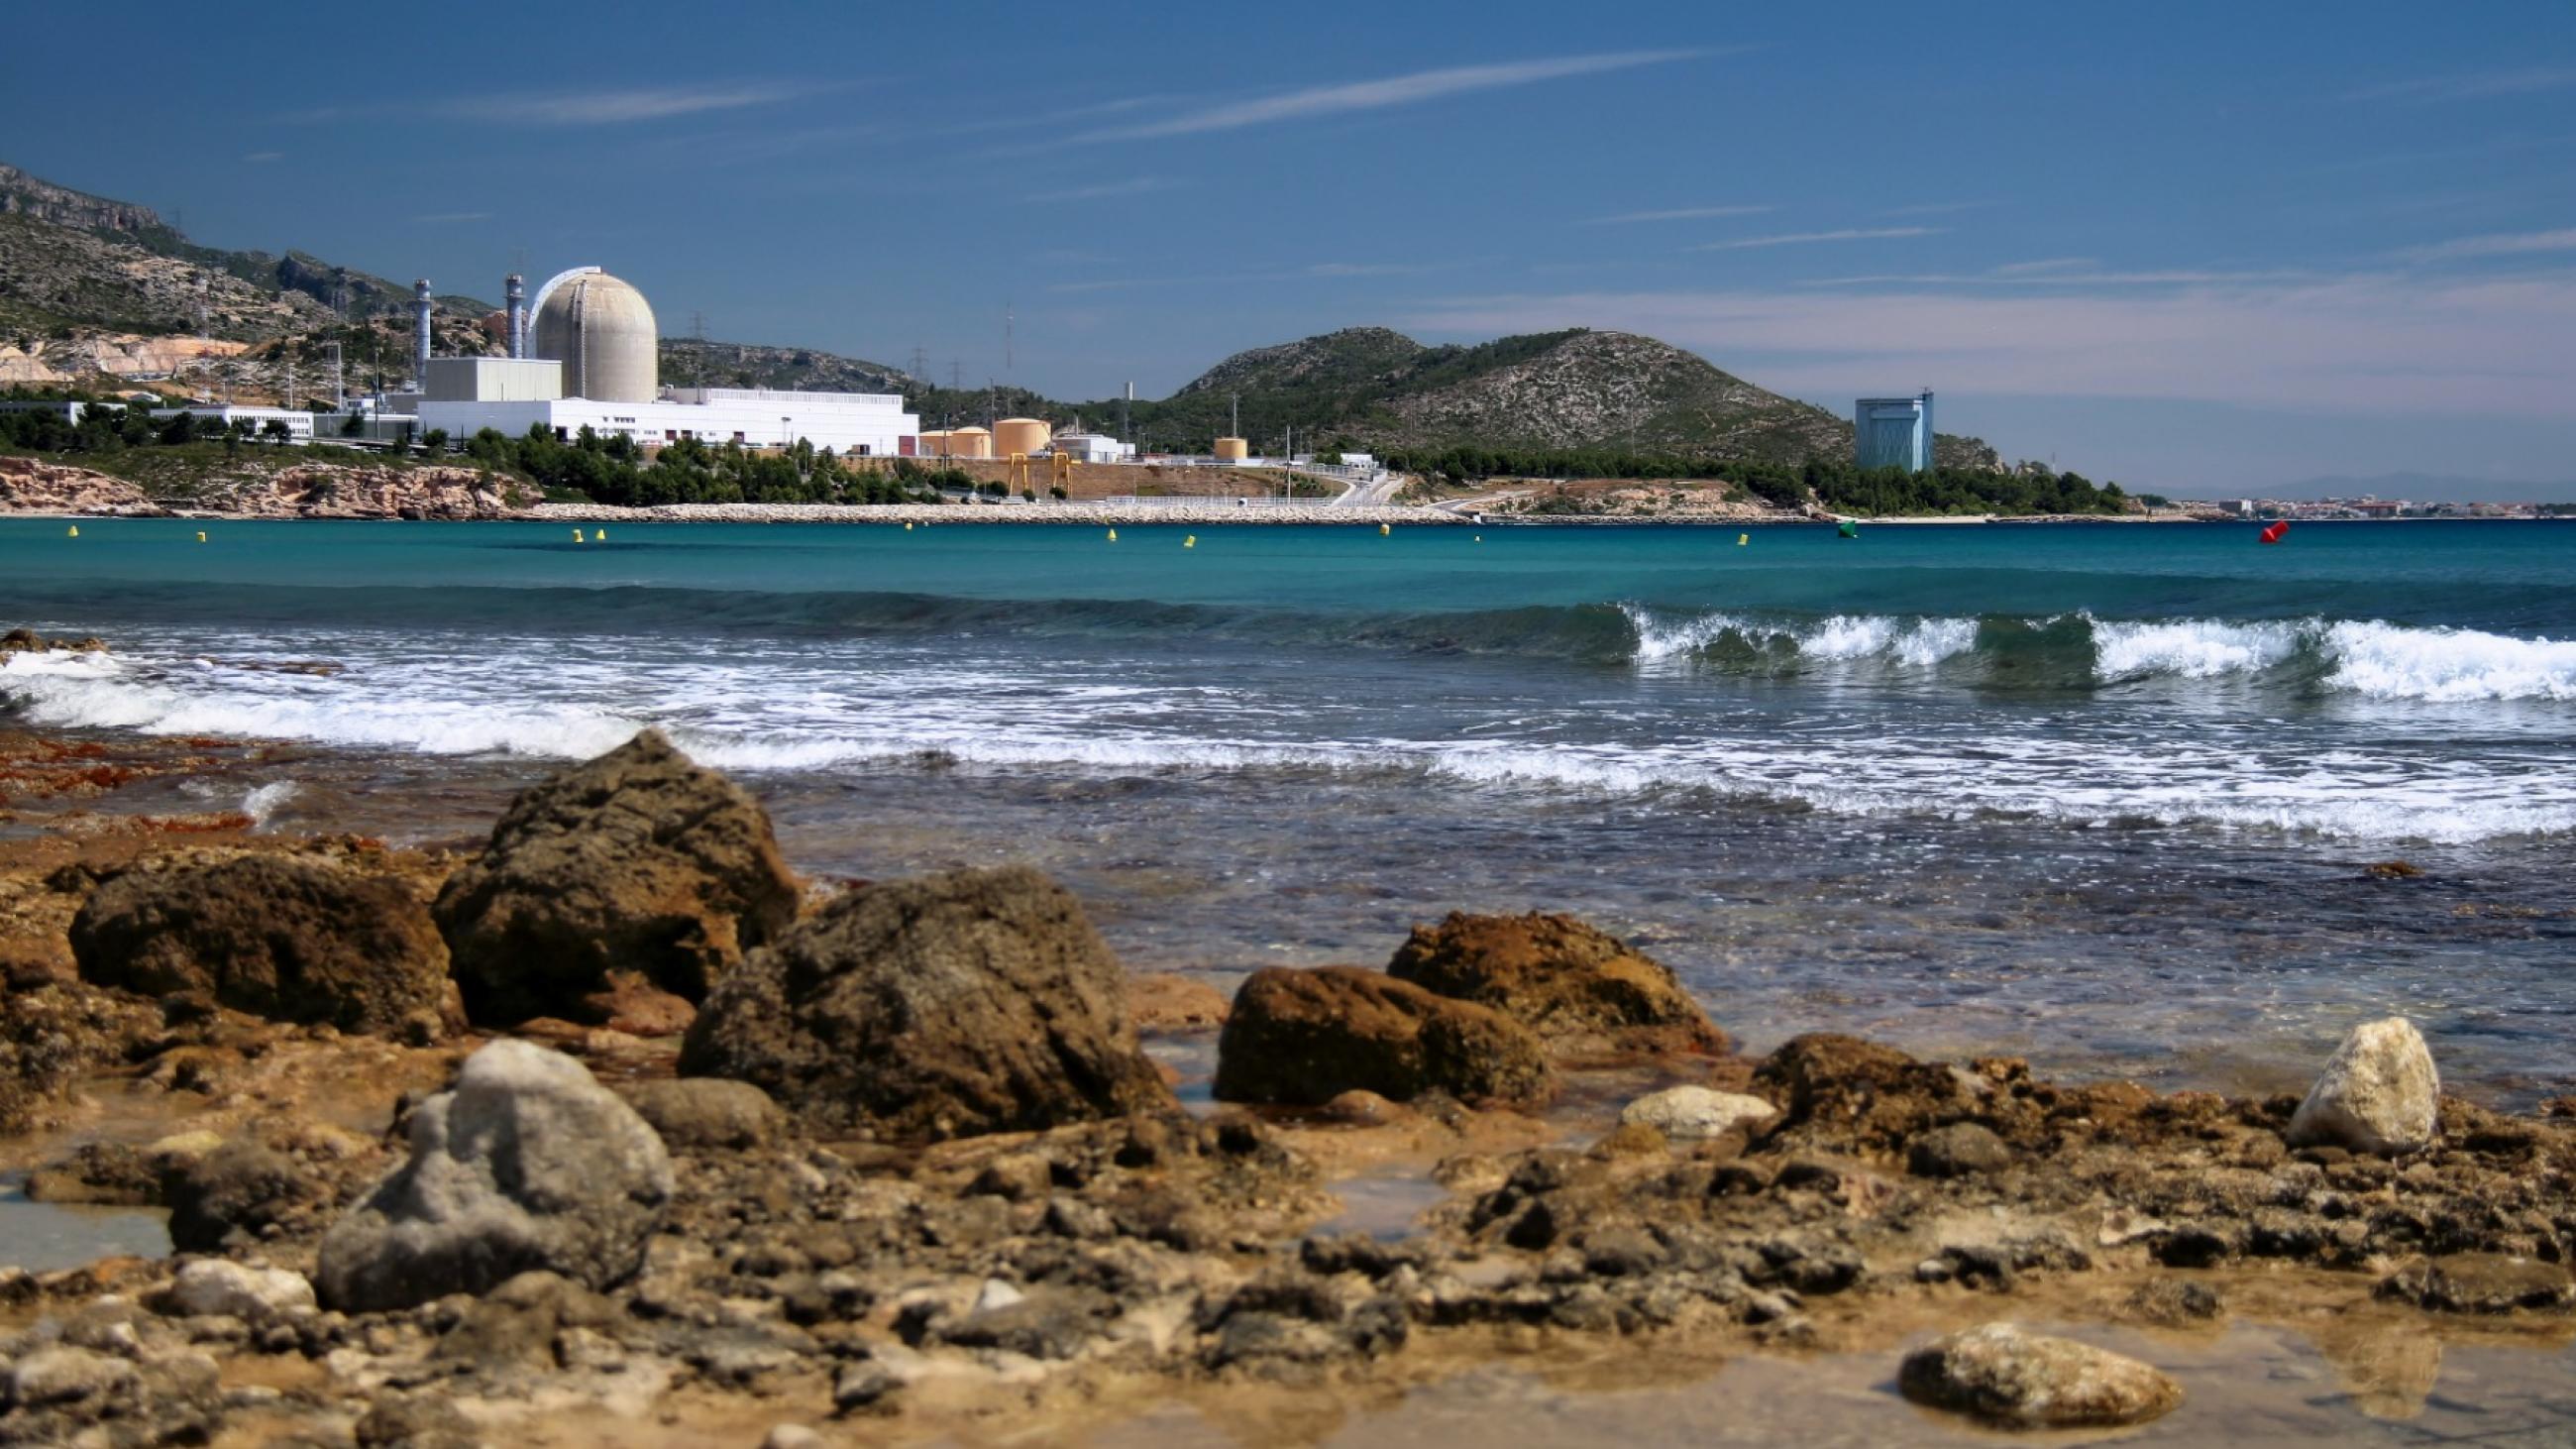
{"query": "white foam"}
(2384, 661)
(265, 801)
(2191, 648)
(1918, 643)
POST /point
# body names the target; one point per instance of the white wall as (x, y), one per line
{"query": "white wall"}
(846, 423)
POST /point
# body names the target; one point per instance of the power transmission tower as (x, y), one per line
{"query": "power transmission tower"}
(920, 366)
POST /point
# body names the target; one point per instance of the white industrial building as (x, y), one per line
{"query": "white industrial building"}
(1093, 448)
(594, 362)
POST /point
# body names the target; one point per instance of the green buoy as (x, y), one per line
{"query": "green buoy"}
(1850, 528)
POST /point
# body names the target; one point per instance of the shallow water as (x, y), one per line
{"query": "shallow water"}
(2104, 797)
(44, 1237)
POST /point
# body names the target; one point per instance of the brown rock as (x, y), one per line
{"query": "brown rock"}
(2031, 1381)
(1572, 984)
(294, 940)
(2482, 1283)
(1303, 1038)
(1858, 1093)
(638, 861)
(1174, 1003)
(975, 1001)
(627, 1002)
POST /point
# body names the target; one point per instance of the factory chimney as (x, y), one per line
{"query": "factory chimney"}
(420, 332)
(515, 324)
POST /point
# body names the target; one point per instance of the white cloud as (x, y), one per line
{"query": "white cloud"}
(2044, 264)
(2510, 244)
(619, 107)
(2391, 344)
(1108, 190)
(1687, 213)
(1803, 238)
(1402, 90)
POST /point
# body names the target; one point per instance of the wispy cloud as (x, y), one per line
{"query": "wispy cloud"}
(2472, 86)
(1108, 190)
(1401, 90)
(619, 107)
(2390, 342)
(2044, 264)
(450, 218)
(1804, 238)
(1686, 213)
(2506, 244)
(262, 158)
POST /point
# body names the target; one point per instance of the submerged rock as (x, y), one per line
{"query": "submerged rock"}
(526, 1163)
(2379, 1094)
(1696, 1114)
(1304, 1037)
(294, 940)
(970, 1002)
(637, 862)
(1572, 984)
(2003, 1374)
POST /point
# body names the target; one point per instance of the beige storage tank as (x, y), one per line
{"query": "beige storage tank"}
(1020, 435)
(970, 443)
(1232, 450)
(933, 444)
(602, 332)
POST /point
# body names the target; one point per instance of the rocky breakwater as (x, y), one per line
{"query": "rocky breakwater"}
(1200, 513)
(915, 1163)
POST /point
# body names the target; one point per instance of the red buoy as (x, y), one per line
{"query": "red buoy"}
(2273, 533)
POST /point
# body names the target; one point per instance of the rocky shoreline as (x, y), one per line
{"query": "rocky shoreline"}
(612, 1129)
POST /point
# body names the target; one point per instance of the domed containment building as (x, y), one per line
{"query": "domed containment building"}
(601, 330)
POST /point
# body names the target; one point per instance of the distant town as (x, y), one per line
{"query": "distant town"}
(2367, 506)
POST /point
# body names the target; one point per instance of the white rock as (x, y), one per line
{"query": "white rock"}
(213, 1287)
(2380, 1093)
(57, 1374)
(791, 1436)
(997, 1295)
(1689, 1114)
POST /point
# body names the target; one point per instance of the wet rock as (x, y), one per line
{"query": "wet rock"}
(1571, 983)
(276, 936)
(211, 1287)
(1696, 1114)
(2482, 1283)
(526, 1163)
(970, 1002)
(416, 1421)
(2003, 1374)
(2175, 1300)
(1303, 1037)
(1358, 1108)
(1174, 1004)
(235, 1194)
(2379, 1094)
(706, 1112)
(1962, 1149)
(1846, 1090)
(638, 861)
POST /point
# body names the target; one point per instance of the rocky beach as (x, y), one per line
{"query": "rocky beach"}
(612, 1127)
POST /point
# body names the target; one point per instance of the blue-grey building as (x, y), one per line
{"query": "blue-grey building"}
(1893, 432)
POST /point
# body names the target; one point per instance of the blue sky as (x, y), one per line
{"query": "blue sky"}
(2195, 247)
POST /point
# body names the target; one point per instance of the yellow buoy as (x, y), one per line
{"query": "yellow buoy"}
(74, 532)
(599, 535)
(1113, 535)
(1742, 539)
(907, 528)
(201, 535)
(1383, 530)
(1190, 542)
(576, 535)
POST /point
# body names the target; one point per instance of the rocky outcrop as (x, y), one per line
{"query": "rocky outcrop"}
(1302, 1038)
(2379, 1094)
(637, 861)
(975, 1001)
(293, 940)
(2024, 1380)
(2482, 1283)
(28, 485)
(525, 1164)
(28, 641)
(1577, 987)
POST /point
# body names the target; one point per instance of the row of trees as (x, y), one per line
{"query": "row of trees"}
(110, 429)
(1839, 486)
(614, 470)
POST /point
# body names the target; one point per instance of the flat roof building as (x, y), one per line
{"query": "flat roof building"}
(1893, 432)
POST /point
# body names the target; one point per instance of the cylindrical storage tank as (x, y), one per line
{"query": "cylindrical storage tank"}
(970, 443)
(603, 333)
(1232, 450)
(932, 444)
(1020, 435)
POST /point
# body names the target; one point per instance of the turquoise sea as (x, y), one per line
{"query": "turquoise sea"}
(2094, 794)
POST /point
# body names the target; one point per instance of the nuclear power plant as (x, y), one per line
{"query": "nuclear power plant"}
(585, 353)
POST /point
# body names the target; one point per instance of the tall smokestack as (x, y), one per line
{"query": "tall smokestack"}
(420, 332)
(517, 325)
